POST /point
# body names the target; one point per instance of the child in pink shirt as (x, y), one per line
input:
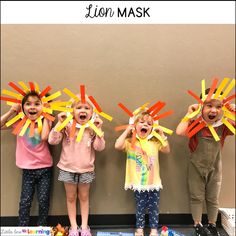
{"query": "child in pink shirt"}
(34, 158)
(76, 162)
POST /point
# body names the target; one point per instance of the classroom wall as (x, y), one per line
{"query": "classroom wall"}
(132, 64)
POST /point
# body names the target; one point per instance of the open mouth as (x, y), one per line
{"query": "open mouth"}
(211, 117)
(143, 131)
(82, 117)
(32, 113)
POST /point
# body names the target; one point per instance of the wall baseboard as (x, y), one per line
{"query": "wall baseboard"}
(111, 221)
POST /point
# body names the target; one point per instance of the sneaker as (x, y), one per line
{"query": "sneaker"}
(85, 232)
(73, 232)
(201, 231)
(212, 228)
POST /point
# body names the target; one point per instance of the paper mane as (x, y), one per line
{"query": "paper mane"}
(152, 111)
(200, 123)
(83, 98)
(48, 107)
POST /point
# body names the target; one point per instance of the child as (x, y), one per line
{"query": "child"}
(205, 166)
(142, 169)
(76, 162)
(34, 158)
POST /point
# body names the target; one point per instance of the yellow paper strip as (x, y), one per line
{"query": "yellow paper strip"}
(96, 130)
(166, 130)
(158, 136)
(213, 132)
(68, 103)
(80, 134)
(228, 89)
(203, 90)
(27, 123)
(228, 114)
(16, 118)
(23, 85)
(40, 124)
(193, 114)
(221, 87)
(57, 108)
(70, 94)
(10, 103)
(47, 110)
(36, 88)
(16, 95)
(140, 108)
(103, 114)
(64, 123)
(51, 97)
(230, 127)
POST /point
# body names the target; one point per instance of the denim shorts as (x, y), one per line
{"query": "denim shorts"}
(76, 178)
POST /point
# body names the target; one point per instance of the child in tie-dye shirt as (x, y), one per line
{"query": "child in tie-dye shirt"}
(142, 169)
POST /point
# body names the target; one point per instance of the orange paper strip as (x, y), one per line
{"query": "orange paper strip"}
(73, 129)
(32, 87)
(196, 129)
(82, 93)
(195, 96)
(125, 109)
(121, 127)
(45, 91)
(163, 115)
(32, 125)
(17, 129)
(133, 139)
(47, 116)
(212, 89)
(91, 98)
(10, 99)
(17, 88)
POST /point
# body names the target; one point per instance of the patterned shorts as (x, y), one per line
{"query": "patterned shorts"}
(76, 178)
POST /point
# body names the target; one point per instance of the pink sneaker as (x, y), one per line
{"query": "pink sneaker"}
(85, 232)
(73, 232)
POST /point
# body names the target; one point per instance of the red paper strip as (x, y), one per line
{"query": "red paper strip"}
(196, 129)
(82, 93)
(91, 98)
(195, 96)
(32, 87)
(45, 91)
(125, 109)
(157, 109)
(156, 105)
(199, 119)
(17, 88)
(163, 115)
(229, 98)
(10, 99)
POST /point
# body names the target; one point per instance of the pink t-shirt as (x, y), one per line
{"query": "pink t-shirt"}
(32, 153)
(77, 157)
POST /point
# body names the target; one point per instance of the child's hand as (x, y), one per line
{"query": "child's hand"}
(62, 116)
(130, 128)
(160, 132)
(98, 122)
(231, 107)
(16, 107)
(192, 108)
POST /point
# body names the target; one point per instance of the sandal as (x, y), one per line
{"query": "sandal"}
(73, 232)
(85, 232)
(139, 233)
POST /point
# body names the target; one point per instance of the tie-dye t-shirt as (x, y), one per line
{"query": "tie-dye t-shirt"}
(142, 165)
(32, 152)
